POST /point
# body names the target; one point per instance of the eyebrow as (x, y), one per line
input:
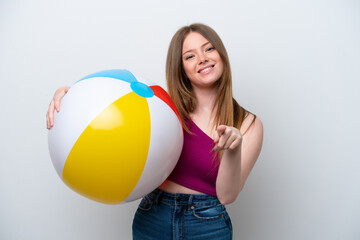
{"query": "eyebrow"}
(193, 49)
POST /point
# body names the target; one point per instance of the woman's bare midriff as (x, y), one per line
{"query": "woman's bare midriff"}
(172, 187)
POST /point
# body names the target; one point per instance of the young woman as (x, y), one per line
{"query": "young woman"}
(221, 143)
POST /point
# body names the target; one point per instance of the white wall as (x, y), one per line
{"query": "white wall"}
(295, 64)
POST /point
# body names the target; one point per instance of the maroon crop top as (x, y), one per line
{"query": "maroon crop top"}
(196, 169)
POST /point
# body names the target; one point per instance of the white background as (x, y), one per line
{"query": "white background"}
(295, 64)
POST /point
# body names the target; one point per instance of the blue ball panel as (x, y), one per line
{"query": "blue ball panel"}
(142, 90)
(120, 74)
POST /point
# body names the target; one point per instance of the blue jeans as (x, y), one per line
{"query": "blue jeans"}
(167, 216)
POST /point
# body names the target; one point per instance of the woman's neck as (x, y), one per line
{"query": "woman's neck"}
(205, 99)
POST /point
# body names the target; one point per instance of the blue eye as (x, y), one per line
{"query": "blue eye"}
(210, 49)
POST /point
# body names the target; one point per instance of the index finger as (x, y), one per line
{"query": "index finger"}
(221, 129)
(218, 132)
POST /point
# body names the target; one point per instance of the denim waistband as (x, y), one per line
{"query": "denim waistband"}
(183, 199)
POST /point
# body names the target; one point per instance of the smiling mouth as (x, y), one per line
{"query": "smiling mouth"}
(205, 69)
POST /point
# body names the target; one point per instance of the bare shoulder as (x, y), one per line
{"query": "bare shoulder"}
(251, 126)
(252, 131)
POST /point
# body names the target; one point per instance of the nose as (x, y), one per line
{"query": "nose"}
(203, 58)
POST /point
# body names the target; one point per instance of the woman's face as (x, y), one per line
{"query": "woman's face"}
(201, 61)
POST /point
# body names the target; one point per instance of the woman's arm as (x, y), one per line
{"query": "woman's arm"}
(240, 155)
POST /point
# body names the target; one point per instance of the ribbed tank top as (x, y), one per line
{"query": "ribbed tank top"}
(196, 169)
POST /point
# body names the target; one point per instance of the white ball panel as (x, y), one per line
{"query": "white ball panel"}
(167, 139)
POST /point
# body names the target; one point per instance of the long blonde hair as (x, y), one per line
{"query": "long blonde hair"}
(228, 111)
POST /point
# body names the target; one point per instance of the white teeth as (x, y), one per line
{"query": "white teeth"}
(206, 69)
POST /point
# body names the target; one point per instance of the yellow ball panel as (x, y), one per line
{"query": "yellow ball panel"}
(108, 158)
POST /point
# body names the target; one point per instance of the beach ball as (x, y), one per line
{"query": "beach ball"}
(116, 138)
